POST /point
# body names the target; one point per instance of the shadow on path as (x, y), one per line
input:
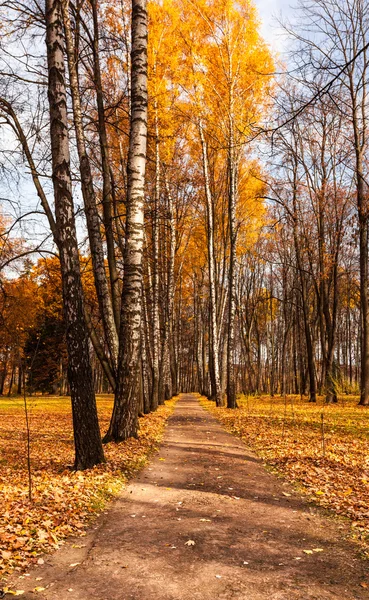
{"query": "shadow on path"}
(206, 521)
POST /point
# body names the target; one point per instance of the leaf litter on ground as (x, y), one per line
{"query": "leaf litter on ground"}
(64, 501)
(287, 434)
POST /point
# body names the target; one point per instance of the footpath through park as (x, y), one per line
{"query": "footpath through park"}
(205, 521)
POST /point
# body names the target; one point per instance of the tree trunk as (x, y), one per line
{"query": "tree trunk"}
(124, 421)
(364, 303)
(107, 200)
(88, 447)
(92, 216)
(11, 381)
(144, 374)
(155, 400)
(214, 354)
(171, 290)
(231, 382)
(19, 384)
(304, 300)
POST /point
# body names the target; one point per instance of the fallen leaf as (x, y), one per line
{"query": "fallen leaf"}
(42, 534)
(291, 445)
(189, 543)
(64, 501)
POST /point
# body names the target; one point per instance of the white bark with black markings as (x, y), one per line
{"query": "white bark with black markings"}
(217, 392)
(124, 421)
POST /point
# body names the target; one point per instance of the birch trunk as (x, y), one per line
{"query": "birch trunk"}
(155, 400)
(170, 291)
(231, 383)
(144, 374)
(124, 421)
(88, 447)
(100, 352)
(214, 354)
(89, 197)
(107, 200)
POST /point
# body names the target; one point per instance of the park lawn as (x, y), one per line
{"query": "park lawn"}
(63, 501)
(288, 434)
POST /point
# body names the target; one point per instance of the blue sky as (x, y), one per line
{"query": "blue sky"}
(270, 11)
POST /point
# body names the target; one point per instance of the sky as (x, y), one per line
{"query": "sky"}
(270, 11)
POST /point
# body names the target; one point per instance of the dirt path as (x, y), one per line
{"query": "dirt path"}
(205, 521)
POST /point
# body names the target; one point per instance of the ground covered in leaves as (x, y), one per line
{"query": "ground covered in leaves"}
(63, 501)
(323, 448)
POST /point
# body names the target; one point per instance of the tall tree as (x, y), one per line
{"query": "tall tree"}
(124, 421)
(88, 447)
(89, 196)
(214, 334)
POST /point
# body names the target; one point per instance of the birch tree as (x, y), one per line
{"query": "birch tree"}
(124, 421)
